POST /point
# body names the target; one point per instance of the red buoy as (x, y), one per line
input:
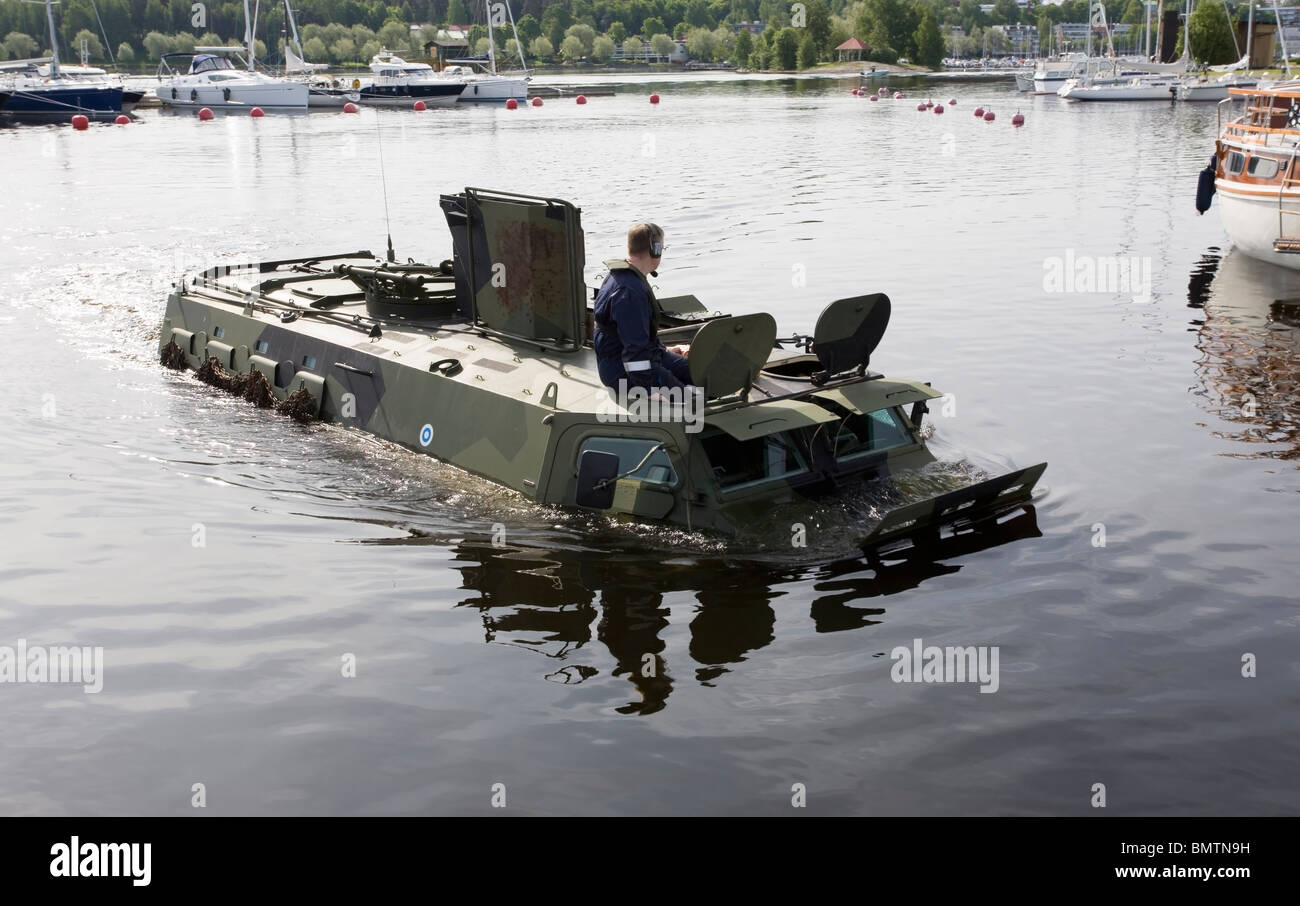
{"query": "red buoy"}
(205, 114)
(921, 107)
(989, 117)
(580, 99)
(654, 99)
(938, 108)
(537, 102)
(123, 119)
(419, 106)
(1018, 119)
(80, 123)
(874, 98)
(349, 107)
(256, 111)
(898, 95)
(979, 111)
(512, 104)
(952, 102)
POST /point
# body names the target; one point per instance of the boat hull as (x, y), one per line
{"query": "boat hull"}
(488, 91)
(215, 96)
(1252, 223)
(433, 95)
(70, 99)
(1162, 92)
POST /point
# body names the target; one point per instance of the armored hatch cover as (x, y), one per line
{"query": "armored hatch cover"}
(849, 330)
(727, 354)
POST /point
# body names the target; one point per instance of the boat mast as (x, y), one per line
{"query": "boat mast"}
(492, 53)
(293, 30)
(518, 44)
(1250, 35)
(248, 35)
(1147, 4)
(54, 40)
(1286, 57)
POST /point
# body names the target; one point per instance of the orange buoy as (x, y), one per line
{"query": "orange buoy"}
(512, 104)
(257, 111)
(654, 99)
(979, 111)
(989, 117)
(419, 106)
(938, 108)
(537, 102)
(349, 107)
(205, 114)
(122, 119)
(80, 123)
(1018, 119)
(580, 99)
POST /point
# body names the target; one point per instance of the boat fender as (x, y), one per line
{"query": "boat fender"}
(447, 367)
(225, 93)
(174, 94)
(194, 94)
(1205, 187)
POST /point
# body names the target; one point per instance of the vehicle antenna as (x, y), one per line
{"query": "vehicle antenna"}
(384, 180)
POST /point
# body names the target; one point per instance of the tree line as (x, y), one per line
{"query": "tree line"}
(794, 35)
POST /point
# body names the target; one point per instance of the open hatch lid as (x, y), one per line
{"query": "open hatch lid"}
(872, 395)
(519, 265)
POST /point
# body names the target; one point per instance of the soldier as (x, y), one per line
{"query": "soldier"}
(627, 339)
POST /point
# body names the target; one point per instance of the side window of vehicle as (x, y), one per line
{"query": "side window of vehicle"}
(658, 469)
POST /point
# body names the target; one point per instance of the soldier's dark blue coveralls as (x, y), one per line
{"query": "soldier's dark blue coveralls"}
(627, 339)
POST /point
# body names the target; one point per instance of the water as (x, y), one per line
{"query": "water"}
(522, 665)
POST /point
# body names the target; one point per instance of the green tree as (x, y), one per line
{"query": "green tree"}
(929, 43)
(617, 32)
(457, 14)
(314, 50)
(700, 44)
(529, 29)
(584, 33)
(787, 48)
(1211, 35)
(744, 47)
(633, 47)
(807, 50)
(819, 26)
(571, 48)
(541, 48)
(555, 21)
(125, 53)
(653, 26)
(156, 44)
(20, 46)
(662, 45)
(602, 48)
(344, 51)
(1006, 12)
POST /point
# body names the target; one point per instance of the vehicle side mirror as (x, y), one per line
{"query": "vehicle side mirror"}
(597, 474)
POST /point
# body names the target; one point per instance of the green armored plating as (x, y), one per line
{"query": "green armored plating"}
(486, 361)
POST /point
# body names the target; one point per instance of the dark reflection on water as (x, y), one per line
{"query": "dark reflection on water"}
(1249, 365)
(546, 601)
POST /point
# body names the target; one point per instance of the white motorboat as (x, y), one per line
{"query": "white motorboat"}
(212, 80)
(322, 90)
(1050, 75)
(398, 83)
(30, 90)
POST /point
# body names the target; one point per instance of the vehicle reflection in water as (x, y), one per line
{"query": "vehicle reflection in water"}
(1249, 365)
(555, 601)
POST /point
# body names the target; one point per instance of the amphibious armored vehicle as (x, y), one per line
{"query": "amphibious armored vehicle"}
(485, 361)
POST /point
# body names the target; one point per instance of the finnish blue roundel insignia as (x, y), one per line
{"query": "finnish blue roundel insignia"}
(426, 435)
(1293, 116)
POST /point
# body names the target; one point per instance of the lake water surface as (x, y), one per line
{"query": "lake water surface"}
(228, 560)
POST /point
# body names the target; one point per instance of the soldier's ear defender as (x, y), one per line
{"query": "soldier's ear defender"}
(656, 241)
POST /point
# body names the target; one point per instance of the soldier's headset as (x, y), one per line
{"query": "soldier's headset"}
(656, 245)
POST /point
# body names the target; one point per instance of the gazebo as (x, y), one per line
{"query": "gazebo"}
(851, 46)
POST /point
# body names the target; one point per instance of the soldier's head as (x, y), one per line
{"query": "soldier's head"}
(645, 246)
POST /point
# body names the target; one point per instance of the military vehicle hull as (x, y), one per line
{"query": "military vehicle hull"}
(485, 362)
